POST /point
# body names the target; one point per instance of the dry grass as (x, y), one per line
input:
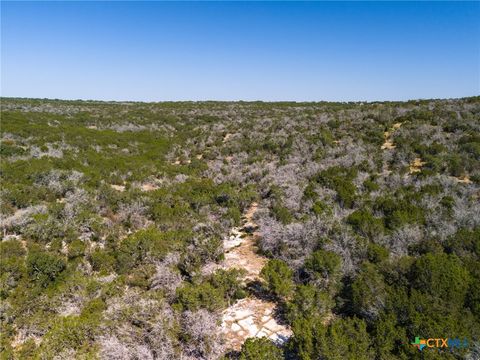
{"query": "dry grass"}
(388, 144)
(416, 165)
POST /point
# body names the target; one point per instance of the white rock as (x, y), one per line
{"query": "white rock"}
(261, 333)
(272, 325)
(252, 330)
(279, 338)
(235, 327)
(241, 314)
(246, 323)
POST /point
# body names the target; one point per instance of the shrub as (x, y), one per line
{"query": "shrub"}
(447, 202)
(102, 260)
(472, 149)
(376, 253)
(442, 276)
(227, 281)
(309, 302)
(282, 214)
(200, 334)
(27, 350)
(399, 212)
(140, 276)
(345, 338)
(464, 242)
(368, 292)
(278, 278)
(70, 332)
(309, 192)
(194, 297)
(320, 207)
(235, 215)
(473, 295)
(364, 223)
(76, 248)
(12, 265)
(370, 185)
(44, 267)
(340, 180)
(260, 349)
(137, 247)
(323, 267)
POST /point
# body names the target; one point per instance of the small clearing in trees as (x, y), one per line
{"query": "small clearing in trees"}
(149, 187)
(252, 316)
(463, 180)
(416, 165)
(120, 188)
(388, 144)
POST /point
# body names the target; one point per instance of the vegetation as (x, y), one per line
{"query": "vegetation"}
(113, 217)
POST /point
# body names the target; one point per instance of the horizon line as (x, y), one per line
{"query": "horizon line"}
(237, 101)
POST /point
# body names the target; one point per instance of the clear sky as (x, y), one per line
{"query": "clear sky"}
(309, 51)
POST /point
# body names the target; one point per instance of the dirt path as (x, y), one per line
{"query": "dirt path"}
(252, 316)
(416, 165)
(241, 250)
(388, 144)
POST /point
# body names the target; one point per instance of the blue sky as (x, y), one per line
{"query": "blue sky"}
(272, 51)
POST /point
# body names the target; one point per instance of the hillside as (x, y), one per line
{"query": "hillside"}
(177, 230)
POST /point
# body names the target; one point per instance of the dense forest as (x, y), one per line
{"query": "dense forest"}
(364, 217)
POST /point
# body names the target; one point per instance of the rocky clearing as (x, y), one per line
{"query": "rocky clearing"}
(252, 316)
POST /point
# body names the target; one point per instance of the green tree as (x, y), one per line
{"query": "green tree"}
(308, 301)
(194, 297)
(368, 292)
(229, 284)
(364, 223)
(324, 268)
(278, 277)
(442, 276)
(12, 265)
(76, 248)
(44, 267)
(260, 349)
(102, 260)
(137, 247)
(345, 338)
(386, 337)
